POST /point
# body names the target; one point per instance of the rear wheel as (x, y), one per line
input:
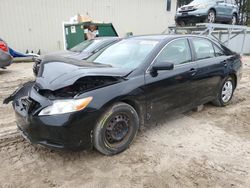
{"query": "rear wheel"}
(116, 129)
(234, 19)
(211, 17)
(225, 93)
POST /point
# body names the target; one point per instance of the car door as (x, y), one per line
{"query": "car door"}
(171, 91)
(220, 8)
(211, 63)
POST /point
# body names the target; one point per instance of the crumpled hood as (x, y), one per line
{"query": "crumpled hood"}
(69, 54)
(61, 72)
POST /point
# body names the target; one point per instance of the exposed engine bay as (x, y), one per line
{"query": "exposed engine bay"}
(80, 86)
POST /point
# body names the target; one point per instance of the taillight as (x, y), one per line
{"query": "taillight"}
(3, 46)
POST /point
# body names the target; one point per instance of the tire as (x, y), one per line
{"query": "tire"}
(180, 24)
(224, 96)
(234, 20)
(211, 17)
(116, 129)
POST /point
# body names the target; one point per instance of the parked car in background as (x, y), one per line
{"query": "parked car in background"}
(209, 11)
(5, 57)
(103, 101)
(81, 51)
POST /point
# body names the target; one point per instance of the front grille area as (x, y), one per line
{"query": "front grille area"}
(26, 103)
(30, 105)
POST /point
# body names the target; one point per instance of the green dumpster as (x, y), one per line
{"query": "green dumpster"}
(74, 33)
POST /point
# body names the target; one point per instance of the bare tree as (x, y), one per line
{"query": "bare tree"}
(244, 6)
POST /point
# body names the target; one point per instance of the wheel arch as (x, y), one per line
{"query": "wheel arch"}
(235, 14)
(138, 108)
(234, 77)
(213, 9)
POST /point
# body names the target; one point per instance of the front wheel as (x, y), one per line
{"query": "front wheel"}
(225, 93)
(180, 23)
(234, 19)
(116, 129)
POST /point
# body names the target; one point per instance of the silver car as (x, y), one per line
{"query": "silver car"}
(209, 11)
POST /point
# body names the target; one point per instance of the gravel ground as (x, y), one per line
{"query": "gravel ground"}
(210, 148)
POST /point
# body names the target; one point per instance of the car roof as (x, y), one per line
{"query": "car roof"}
(164, 37)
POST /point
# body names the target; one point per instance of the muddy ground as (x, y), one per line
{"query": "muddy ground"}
(210, 148)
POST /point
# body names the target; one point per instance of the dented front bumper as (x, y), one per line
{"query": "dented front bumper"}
(69, 131)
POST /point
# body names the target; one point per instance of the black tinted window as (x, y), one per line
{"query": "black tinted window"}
(203, 48)
(177, 52)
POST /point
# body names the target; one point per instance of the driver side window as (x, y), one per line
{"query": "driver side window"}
(177, 52)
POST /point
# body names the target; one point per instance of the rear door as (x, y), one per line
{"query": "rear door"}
(229, 9)
(172, 90)
(220, 8)
(212, 65)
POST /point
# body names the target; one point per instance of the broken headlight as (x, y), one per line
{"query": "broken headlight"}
(66, 106)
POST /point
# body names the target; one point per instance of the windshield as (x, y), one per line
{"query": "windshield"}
(128, 53)
(87, 46)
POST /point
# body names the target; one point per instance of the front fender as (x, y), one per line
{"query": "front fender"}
(129, 91)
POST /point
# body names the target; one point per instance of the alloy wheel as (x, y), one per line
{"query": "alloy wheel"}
(211, 17)
(227, 91)
(234, 20)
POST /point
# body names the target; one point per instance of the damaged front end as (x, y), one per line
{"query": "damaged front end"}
(60, 129)
(62, 78)
(50, 110)
(20, 92)
(31, 95)
(82, 85)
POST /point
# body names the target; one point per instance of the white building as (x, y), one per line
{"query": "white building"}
(37, 24)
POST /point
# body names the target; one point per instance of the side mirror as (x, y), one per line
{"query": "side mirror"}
(161, 67)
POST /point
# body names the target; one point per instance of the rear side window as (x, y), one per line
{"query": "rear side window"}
(177, 52)
(203, 48)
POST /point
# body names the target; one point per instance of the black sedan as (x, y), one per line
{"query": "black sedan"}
(103, 101)
(81, 51)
